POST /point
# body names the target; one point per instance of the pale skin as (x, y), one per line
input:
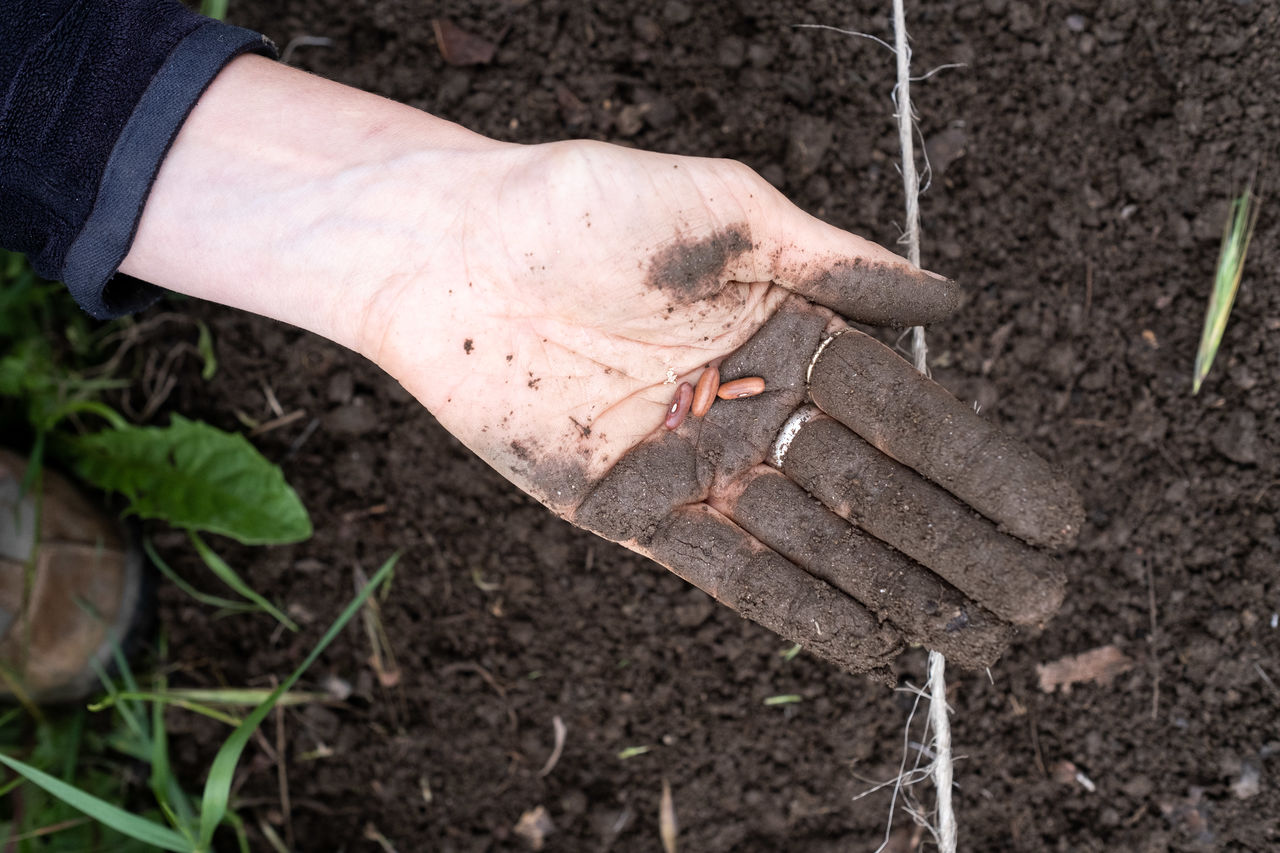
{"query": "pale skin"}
(539, 300)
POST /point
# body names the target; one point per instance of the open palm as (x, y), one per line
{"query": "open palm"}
(600, 279)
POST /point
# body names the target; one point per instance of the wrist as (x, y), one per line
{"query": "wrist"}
(301, 199)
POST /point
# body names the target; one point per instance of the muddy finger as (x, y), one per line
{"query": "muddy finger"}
(881, 294)
(720, 558)
(865, 385)
(927, 610)
(849, 274)
(899, 507)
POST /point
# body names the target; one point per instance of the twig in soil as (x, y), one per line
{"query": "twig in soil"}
(1266, 678)
(1088, 285)
(303, 41)
(276, 423)
(296, 444)
(382, 657)
(1151, 641)
(1033, 725)
(272, 403)
(282, 775)
(273, 839)
(371, 833)
(558, 727)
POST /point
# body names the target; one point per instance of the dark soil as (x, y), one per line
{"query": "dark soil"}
(1082, 163)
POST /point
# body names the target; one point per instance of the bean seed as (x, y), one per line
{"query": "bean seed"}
(679, 408)
(748, 386)
(705, 392)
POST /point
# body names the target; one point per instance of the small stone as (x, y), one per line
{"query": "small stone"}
(732, 52)
(944, 148)
(342, 386)
(1076, 23)
(1249, 784)
(797, 88)
(355, 418)
(662, 113)
(630, 119)
(676, 12)
(534, 826)
(647, 29)
(760, 55)
(807, 144)
(1238, 439)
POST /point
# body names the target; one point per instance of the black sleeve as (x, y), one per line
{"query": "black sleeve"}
(92, 94)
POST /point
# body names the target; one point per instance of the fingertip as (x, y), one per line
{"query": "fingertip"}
(883, 293)
(853, 276)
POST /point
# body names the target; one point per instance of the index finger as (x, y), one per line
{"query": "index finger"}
(851, 275)
(866, 386)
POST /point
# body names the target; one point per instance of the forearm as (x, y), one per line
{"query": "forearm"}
(290, 196)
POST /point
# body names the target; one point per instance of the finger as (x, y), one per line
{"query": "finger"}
(899, 507)
(720, 558)
(862, 383)
(676, 467)
(847, 273)
(928, 611)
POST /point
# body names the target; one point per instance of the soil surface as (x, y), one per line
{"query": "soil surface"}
(1082, 161)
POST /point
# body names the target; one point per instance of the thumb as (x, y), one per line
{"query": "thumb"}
(852, 276)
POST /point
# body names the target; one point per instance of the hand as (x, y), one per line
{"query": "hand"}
(590, 280)
(546, 301)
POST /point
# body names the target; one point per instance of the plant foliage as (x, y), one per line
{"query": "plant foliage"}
(1236, 236)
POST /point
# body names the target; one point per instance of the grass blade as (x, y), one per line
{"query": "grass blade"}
(1236, 235)
(105, 813)
(228, 576)
(202, 597)
(217, 789)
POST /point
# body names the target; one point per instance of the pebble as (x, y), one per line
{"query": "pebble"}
(1238, 439)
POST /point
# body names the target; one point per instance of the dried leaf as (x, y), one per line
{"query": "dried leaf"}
(534, 826)
(667, 827)
(1100, 665)
(459, 47)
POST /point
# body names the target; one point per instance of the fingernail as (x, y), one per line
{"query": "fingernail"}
(933, 274)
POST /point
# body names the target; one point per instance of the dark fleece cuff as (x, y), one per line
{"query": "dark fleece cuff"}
(89, 268)
(92, 94)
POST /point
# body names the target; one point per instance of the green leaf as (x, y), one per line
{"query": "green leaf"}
(204, 345)
(217, 788)
(228, 576)
(1236, 235)
(226, 604)
(214, 9)
(100, 810)
(195, 476)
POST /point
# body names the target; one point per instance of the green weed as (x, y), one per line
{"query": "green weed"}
(1236, 236)
(190, 474)
(214, 9)
(178, 823)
